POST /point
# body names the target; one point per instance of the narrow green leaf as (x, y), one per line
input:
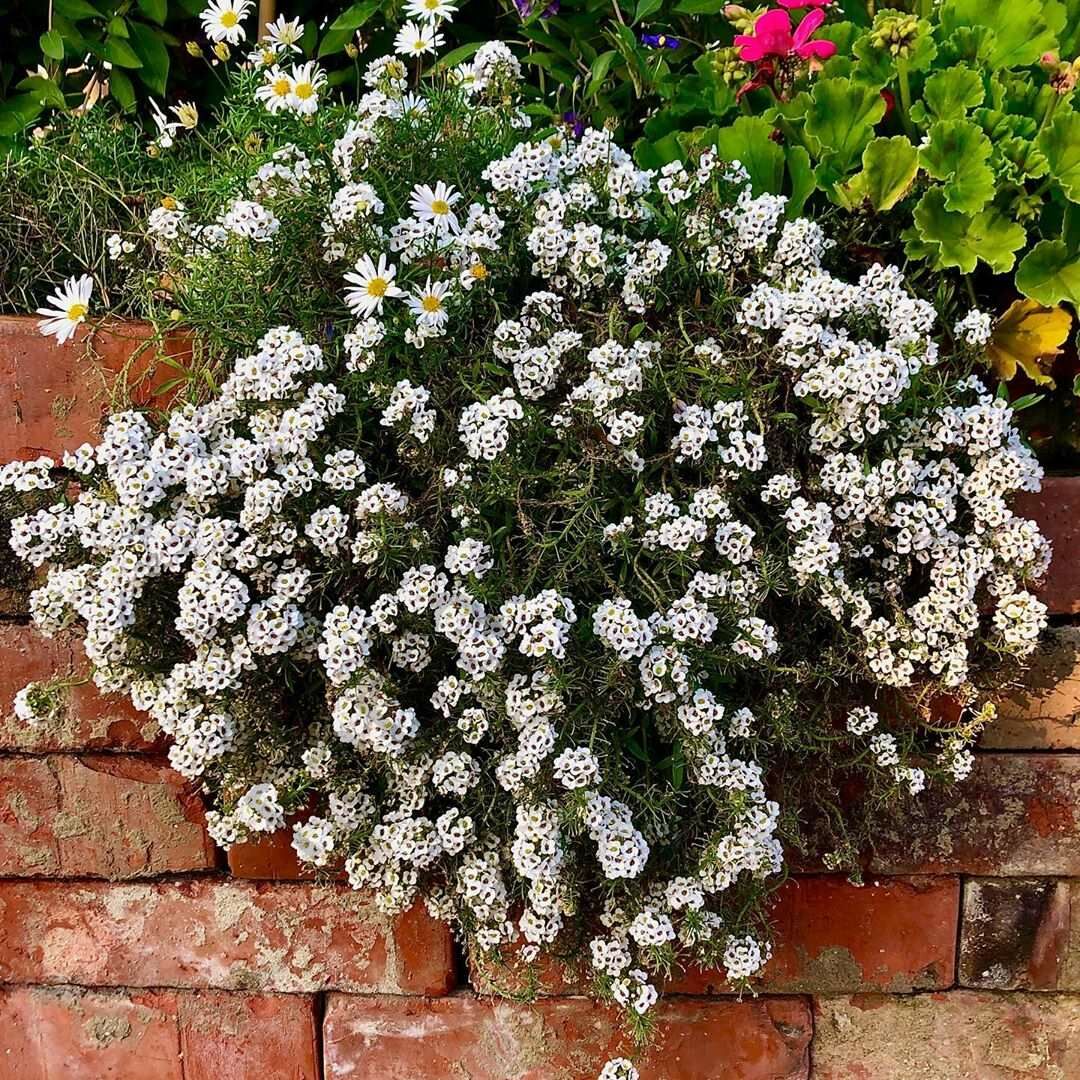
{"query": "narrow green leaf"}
(155, 10)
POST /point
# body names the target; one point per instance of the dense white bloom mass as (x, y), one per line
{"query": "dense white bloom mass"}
(501, 588)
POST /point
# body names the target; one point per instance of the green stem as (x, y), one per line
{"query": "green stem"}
(1048, 113)
(905, 97)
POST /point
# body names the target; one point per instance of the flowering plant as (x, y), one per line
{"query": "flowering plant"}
(471, 569)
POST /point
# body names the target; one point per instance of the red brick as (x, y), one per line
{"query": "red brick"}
(83, 718)
(223, 934)
(1020, 934)
(53, 397)
(560, 1039)
(1016, 815)
(962, 1035)
(115, 816)
(273, 858)
(831, 937)
(834, 937)
(82, 1034)
(1043, 713)
(1057, 510)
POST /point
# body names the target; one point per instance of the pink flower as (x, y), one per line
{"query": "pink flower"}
(772, 36)
(795, 4)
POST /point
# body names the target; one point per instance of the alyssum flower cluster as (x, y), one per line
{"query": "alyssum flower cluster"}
(498, 597)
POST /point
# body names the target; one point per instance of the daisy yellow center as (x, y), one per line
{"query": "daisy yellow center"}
(77, 311)
(281, 87)
(229, 19)
(440, 207)
(479, 271)
(431, 5)
(418, 45)
(377, 286)
(304, 90)
(431, 303)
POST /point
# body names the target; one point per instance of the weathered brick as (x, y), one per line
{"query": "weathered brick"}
(83, 719)
(1020, 934)
(53, 397)
(835, 937)
(78, 1034)
(1016, 815)
(1057, 510)
(224, 934)
(1043, 713)
(115, 816)
(961, 1035)
(560, 1039)
(831, 937)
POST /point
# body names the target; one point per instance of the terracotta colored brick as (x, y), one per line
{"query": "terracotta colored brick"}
(248, 1036)
(835, 937)
(831, 937)
(1057, 510)
(53, 397)
(83, 718)
(1045, 712)
(82, 1034)
(962, 1035)
(227, 934)
(113, 816)
(1016, 815)
(273, 858)
(1020, 934)
(560, 1039)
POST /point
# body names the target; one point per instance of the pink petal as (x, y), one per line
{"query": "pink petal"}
(811, 21)
(821, 49)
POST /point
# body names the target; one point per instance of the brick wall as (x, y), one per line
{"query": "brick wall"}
(130, 949)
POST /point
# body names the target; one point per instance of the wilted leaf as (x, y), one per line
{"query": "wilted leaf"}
(1028, 336)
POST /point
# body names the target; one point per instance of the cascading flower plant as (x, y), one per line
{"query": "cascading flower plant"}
(470, 572)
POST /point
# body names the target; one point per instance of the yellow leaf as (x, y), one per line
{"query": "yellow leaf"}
(1028, 336)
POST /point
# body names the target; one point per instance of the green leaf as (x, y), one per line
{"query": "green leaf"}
(957, 153)
(147, 43)
(119, 52)
(889, 168)
(333, 41)
(700, 7)
(1050, 273)
(18, 112)
(355, 17)
(645, 8)
(1022, 29)
(599, 70)
(76, 9)
(841, 117)
(155, 10)
(749, 141)
(118, 26)
(52, 45)
(1060, 142)
(803, 181)
(949, 94)
(120, 87)
(457, 56)
(961, 240)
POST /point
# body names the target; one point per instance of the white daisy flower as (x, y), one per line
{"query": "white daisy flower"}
(71, 305)
(222, 20)
(436, 205)
(307, 79)
(285, 33)
(371, 285)
(427, 304)
(276, 90)
(415, 39)
(431, 10)
(473, 274)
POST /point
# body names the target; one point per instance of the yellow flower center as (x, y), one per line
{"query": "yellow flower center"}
(77, 312)
(440, 207)
(304, 90)
(431, 303)
(418, 45)
(168, 202)
(479, 271)
(377, 286)
(229, 19)
(432, 5)
(281, 87)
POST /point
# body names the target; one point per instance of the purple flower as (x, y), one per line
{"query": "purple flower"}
(525, 7)
(575, 123)
(660, 41)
